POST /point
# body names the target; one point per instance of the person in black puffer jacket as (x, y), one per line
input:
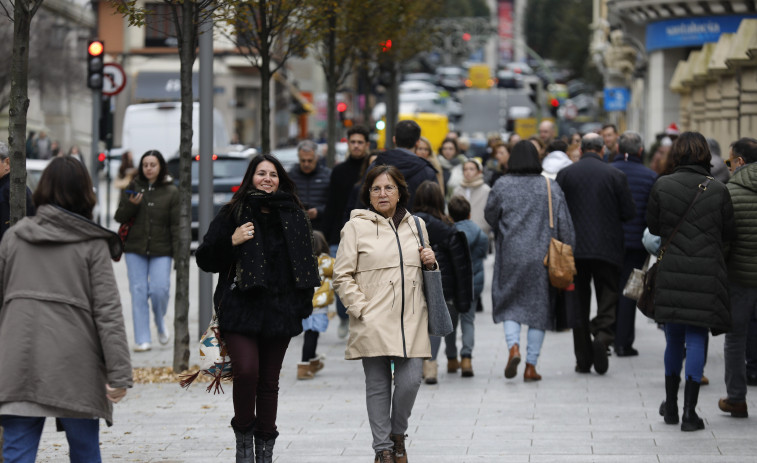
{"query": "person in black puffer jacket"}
(691, 295)
(261, 246)
(453, 256)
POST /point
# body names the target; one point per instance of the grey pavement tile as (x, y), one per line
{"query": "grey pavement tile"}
(593, 459)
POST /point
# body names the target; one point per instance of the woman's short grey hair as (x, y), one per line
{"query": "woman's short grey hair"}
(3, 151)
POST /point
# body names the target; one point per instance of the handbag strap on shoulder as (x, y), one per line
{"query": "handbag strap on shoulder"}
(418, 227)
(701, 188)
(549, 199)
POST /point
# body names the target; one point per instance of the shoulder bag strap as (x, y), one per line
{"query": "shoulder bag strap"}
(700, 189)
(418, 227)
(549, 199)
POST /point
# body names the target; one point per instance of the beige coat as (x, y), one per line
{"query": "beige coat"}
(380, 283)
(62, 334)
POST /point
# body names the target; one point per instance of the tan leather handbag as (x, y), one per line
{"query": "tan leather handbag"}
(559, 259)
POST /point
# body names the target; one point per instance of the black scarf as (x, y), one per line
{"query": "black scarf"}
(298, 235)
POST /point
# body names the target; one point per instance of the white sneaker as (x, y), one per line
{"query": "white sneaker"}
(164, 338)
(144, 347)
(344, 328)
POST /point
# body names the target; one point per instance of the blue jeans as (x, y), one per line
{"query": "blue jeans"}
(689, 339)
(149, 280)
(21, 436)
(341, 310)
(535, 340)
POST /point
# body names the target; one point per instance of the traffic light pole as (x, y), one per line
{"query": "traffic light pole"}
(97, 96)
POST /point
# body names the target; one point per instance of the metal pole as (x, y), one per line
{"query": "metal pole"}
(205, 212)
(96, 109)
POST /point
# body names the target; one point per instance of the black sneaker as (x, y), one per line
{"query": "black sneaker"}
(600, 357)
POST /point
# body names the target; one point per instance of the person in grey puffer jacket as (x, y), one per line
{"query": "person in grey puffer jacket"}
(742, 273)
(312, 182)
(63, 343)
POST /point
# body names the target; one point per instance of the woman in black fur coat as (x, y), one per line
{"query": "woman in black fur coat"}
(261, 245)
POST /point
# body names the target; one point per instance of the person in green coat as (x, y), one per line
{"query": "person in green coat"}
(151, 204)
(691, 295)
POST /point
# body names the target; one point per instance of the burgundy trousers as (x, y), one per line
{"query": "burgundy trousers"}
(256, 363)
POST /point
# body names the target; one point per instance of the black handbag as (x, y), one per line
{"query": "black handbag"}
(646, 302)
(439, 320)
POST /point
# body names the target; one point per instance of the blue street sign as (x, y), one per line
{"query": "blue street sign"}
(616, 98)
(690, 32)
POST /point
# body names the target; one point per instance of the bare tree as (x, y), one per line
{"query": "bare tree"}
(186, 17)
(268, 33)
(21, 13)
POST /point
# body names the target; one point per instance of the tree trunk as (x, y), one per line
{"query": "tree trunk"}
(265, 103)
(19, 105)
(187, 54)
(331, 84)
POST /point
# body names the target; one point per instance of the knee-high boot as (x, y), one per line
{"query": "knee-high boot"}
(245, 452)
(264, 449)
(669, 406)
(690, 421)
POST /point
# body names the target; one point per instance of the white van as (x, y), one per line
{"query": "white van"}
(157, 126)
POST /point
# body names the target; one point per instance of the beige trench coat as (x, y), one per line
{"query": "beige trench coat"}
(378, 277)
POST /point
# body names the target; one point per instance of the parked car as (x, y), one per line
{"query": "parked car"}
(229, 168)
(509, 79)
(412, 86)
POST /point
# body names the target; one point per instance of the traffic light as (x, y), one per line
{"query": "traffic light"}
(386, 45)
(554, 106)
(101, 161)
(341, 108)
(95, 52)
(106, 123)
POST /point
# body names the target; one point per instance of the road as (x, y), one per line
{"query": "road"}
(567, 417)
(487, 110)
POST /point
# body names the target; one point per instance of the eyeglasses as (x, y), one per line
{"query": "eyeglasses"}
(389, 190)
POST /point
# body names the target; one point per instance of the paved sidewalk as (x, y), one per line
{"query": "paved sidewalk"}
(567, 417)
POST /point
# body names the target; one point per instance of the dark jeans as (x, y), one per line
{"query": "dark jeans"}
(605, 276)
(309, 345)
(751, 348)
(625, 317)
(256, 363)
(743, 309)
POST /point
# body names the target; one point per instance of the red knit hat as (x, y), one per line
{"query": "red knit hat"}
(672, 129)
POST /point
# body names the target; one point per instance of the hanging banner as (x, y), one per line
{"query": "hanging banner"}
(505, 30)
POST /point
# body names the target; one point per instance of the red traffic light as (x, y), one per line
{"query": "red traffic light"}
(95, 48)
(386, 46)
(341, 107)
(101, 157)
(554, 102)
(466, 36)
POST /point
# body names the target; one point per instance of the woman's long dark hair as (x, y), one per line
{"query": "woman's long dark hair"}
(429, 199)
(161, 162)
(524, 159)
(285, 182)
(65, 183)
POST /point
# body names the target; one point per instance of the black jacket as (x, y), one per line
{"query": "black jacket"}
(692, 282)
(273, 311)
(344, 176)
(5, 203)
(415, 169)
(599, 202)
(453, 256)
(313, 189)
(640, 181)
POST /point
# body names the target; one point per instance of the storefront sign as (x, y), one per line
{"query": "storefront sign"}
(690, 32)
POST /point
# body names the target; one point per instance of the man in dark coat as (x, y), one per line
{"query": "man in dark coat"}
(415, 169)
(5, 191)
(742, 273)
(344, 176)
(599, 202)
(312, 181)
(640, 181)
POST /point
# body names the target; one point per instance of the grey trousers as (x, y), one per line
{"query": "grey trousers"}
(388, 413)
(743, 308)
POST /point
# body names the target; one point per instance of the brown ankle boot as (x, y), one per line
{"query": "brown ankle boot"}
(452, 365)
(512, 362)
(400, 454)
(304, 371)
(466, 367)
(384, 456)
(530, 374)
(316, 365)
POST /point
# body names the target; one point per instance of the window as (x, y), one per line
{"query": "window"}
(159, 26)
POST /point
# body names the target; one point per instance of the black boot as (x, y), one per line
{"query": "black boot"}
(264, 448)
(690, 420)
(669, 406)
(244, 443)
